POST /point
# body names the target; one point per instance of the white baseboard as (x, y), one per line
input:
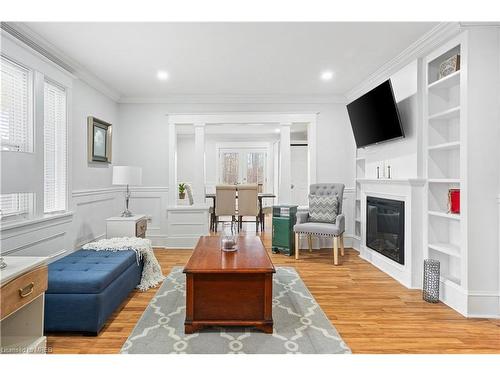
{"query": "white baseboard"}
(180, 242)
(484, 305)
(157, 240)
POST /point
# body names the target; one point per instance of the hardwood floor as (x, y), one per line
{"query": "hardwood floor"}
(372, 312)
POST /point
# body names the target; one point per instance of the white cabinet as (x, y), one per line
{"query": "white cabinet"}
(133, 226)
(186, 224)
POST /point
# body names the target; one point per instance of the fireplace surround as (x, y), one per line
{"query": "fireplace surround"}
(385, 227)
(409, 192)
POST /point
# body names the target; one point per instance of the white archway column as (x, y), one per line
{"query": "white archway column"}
(285, 177)
(199, 163)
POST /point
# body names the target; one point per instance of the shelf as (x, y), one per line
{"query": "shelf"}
(444, 215)
(444, 180)
(446, 82)
(448, 278)
(357, 220)
(446, 115)
(360, 158)
(444, 146)
(446, 248)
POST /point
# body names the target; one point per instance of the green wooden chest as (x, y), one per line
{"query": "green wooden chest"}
(284, 218)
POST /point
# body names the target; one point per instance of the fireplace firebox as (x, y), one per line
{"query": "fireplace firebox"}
(385, 223)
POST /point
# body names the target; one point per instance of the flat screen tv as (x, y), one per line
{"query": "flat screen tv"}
(375, 117)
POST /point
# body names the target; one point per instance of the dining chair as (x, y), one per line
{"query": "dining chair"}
(248, 203)
(225, 203)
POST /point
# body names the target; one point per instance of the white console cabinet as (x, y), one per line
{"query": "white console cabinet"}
(133, 226)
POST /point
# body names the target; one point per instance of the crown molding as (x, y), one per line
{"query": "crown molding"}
(479, 24)
(237, 99)
(426, 43)
(23, 34)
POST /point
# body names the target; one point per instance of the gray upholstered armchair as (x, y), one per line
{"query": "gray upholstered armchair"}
(333, 229)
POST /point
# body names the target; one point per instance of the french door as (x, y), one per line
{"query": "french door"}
(243, 166)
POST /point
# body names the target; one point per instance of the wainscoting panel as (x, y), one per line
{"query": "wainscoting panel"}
(152, 202)
(45, 237)
(92, 208)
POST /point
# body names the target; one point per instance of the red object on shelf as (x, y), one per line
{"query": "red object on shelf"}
(454, 201)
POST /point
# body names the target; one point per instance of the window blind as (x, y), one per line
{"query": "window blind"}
(16, 127)
(16, 204)
(54, 148)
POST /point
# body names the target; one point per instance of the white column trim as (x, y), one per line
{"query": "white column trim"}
(199, 163)
(172, 163)
(285, 176)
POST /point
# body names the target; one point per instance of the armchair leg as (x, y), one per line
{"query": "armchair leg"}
(342, 244)
(336, 250)
(297, 238)
(309, 243)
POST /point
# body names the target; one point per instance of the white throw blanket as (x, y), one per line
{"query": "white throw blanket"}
(151, 272)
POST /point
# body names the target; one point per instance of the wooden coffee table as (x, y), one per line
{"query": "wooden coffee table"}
(229, 288)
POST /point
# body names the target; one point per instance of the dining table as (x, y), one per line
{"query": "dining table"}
(260, 197)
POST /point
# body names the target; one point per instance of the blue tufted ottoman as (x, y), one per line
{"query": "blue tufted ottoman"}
(85, 288)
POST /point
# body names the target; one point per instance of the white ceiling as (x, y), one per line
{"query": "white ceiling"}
(230, 58)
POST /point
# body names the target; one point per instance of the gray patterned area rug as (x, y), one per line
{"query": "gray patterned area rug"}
(300, 326)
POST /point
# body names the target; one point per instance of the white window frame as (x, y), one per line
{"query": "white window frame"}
(65, 157)
(41, 71)
(30, 115)
(22, 199)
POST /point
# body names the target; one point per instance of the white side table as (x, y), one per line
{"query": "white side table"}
(133, 226)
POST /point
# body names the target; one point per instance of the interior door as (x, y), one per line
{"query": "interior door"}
(299, 175)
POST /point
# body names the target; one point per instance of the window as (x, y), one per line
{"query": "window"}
(230, 162)
(14, 205)
(16, 126)
(54, 148)
(243, 166)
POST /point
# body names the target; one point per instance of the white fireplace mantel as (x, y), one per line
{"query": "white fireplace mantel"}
(393, 181)
(410, 191)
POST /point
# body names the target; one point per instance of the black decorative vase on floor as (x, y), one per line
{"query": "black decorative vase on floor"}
(430, 290)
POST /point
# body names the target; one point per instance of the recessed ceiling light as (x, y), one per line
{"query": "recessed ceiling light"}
(277, 130)
(162, 75)
(327, 75)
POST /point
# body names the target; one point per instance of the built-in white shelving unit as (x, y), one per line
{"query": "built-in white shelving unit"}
(443, 107)
(460, 151)
(444, 122)
(360, 174)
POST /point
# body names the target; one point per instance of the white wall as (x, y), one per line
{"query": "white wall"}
(400, 154)
(185, 160)
(143, 141)
(89, 102)
(91, 197)
(144, 138)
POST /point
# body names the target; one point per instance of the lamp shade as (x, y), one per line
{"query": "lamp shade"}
(125, 175)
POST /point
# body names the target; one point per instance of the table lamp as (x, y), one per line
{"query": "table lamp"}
(126, 175)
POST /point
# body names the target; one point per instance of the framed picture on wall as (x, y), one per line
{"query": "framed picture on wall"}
(99, 140)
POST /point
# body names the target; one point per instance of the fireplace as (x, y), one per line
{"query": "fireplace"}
(385, 223)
